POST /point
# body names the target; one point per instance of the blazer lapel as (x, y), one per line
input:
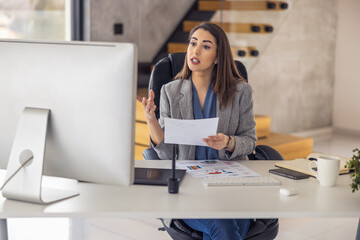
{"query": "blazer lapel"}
(185, 102)
(224, 117)
(186, 109)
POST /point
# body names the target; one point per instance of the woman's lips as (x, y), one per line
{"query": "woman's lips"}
(195, 61)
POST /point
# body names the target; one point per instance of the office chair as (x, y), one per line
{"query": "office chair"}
(260, 229)
(164, 71)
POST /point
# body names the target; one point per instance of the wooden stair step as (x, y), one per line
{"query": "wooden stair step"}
(236, 51)
(262, 126)
(142, 135)
(290, 147)
(242, 5)
(176, 47)
(233, 27)
(142, 130)
(138, 151)
(262, 122)
(139, 112)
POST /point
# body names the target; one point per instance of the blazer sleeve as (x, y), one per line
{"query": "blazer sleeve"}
(245, 136)
(164, 151)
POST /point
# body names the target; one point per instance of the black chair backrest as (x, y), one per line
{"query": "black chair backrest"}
(166, 69)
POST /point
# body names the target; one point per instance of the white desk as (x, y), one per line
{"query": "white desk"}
(195, 200)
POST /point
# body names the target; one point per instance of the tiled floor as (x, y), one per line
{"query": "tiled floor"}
(139, 229)
(317, 229)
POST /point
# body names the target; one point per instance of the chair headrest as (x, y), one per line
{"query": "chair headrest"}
(177, 62)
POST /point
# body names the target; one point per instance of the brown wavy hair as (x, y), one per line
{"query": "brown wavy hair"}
(225, 73)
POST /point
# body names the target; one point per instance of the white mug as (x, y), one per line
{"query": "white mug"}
(327, 170)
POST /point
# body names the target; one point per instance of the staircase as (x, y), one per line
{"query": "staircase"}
(250, 25)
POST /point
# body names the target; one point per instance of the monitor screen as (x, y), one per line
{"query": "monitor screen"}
(89, 89)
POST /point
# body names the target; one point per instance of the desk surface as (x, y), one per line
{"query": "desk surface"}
(194, 199)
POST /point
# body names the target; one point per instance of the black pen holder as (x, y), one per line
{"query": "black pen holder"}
(173, 181)
(173, 185)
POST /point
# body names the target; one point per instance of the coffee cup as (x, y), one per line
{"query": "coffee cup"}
(327, 170)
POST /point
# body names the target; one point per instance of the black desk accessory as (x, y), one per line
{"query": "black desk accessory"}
(155, 176)
(173, 181)
(289, 173)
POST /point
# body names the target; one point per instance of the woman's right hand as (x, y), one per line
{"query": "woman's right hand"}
(149, 107)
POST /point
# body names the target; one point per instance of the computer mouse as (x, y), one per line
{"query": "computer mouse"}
(288, 191)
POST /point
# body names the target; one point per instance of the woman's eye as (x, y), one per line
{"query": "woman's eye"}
(192, 43)
(206, 47)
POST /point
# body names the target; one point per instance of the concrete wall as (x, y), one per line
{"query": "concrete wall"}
(148, 23)
(293, 79)
(346, 114)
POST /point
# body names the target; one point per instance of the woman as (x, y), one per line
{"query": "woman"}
(209, 85)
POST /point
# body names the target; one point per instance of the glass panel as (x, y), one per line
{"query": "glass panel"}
(250, 25)
(35, 19)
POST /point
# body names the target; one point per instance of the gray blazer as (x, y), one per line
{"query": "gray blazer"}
(236, 119)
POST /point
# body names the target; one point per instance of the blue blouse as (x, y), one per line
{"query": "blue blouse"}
(208, 111)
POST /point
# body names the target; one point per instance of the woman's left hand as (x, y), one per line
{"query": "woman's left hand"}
(218, 142)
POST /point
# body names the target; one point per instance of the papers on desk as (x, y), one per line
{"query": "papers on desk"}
(215, 168)
(189, 132)
(302, 164)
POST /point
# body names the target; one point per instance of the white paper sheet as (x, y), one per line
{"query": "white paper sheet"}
(189, 132)
(215, 168)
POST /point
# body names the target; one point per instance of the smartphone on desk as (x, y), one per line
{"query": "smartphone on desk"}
(289, 173)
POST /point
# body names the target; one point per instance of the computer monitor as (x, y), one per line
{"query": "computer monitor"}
(90, 90)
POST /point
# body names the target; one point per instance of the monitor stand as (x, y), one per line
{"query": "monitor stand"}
(29, 143)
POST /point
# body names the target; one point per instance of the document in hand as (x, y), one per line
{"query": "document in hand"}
(302, 164)
(189, 132)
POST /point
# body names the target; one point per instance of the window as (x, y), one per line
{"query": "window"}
(35, 19)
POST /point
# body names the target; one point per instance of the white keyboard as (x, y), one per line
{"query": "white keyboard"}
(240, 181)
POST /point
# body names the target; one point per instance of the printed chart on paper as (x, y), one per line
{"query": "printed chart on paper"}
(215, 168)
